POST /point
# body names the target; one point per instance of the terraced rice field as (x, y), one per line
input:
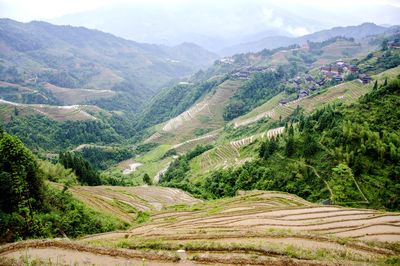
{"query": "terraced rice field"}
(190, 144)
(16, 91)
(227, 155)
(254, 228)
(265, 110)
(60, 113)
(207, 115)
(125, 202)
(186, 116)
(74, 96)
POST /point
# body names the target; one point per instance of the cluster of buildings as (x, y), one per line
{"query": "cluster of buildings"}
(307, 84)
(337, 71)
(394, 44)
(246, 72)
(226, 60)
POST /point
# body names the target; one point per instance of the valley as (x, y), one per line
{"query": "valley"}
(114, 152)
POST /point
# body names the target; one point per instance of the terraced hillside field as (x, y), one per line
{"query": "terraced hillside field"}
(125, 202)
(60, 113)
(15, 92)
(347, 92)
(228, 154)
(205, 115)
(70, 96)
(254, 228)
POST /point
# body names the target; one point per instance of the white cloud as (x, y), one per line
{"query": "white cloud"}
(270, 19)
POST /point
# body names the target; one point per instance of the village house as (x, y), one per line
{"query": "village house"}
(337, 69)
(227, 60)
(283, 101)
(338, 78)
(241, 75)
(303, 93)
(297, 80)
(312, 88)
(353, 69)
(329, 75)
(309, 78)
(321, 82)
(325, 69)
(364, 78)
(394, 44)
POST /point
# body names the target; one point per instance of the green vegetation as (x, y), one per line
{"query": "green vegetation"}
(82, 168)
(29, 208)
(142, 217)
(41, 133)
(147, 179)
(103, 158)
(176, 175)
(262, 87)
(379, 61)
(349, 154)
(172, 101)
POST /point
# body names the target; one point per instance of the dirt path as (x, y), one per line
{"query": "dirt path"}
(62, 252)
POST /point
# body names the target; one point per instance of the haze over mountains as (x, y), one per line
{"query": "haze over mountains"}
(58, 60)
(76, 57)
(227, 23)
(356, 32)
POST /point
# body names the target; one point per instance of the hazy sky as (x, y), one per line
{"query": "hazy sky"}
(26, 10)
(204, 21)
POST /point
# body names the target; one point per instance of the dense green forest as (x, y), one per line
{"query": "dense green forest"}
(102, 158)
(380, 60)
(178, 168)
(85, 172)
(30, 208)
(259, 89)
(172, 101)
(41, 133)
(350, 155)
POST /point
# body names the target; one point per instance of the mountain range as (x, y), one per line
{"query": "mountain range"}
(38, 53)
(271, 42)
(246, 152)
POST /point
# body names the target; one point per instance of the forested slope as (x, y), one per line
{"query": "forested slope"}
(349, 155)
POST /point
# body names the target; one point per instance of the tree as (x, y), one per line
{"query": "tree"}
(147, 180)
(384, 45)
(289, 149)
(21, 187)
(375, 85)
(268, 148)
(343, 184)
(86, 174)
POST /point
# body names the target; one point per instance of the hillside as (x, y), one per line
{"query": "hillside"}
(325, 154)
(252, 87)
(114, 152)
(241, 69)
(89, 63)
(254, 228)
(272, 42)
(124, 203)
